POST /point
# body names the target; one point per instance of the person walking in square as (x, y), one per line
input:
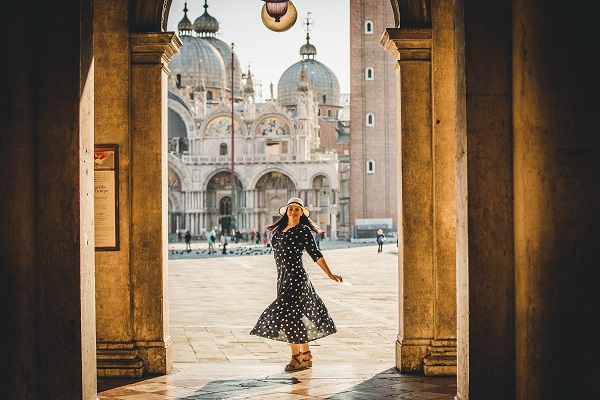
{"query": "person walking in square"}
(188, 241)
(380, 239)
(210, 239)
(224, 242)
(318, 240)
(298, 315)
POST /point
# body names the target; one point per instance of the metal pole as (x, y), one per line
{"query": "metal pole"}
(232, 141)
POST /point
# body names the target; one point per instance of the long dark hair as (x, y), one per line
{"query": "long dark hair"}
(282, 222)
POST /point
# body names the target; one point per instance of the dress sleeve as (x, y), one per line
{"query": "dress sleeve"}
(309, 244)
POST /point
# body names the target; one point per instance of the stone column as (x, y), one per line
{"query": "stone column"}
(150, 54)
(412, 49)
(133, 331)
(441, 353)
(427, 333)
(333, 235)
(485, 238)
(46, 178)
(556, 191)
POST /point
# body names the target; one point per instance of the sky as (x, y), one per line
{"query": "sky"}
(268, 53)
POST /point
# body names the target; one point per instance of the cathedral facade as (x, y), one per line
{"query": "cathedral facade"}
(224, 181)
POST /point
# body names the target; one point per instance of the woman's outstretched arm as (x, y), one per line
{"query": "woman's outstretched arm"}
(323, 264)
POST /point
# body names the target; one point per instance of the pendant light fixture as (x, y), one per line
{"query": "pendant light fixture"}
(279, 15)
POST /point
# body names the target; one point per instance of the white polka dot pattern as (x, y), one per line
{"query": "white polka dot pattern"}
(298, 315)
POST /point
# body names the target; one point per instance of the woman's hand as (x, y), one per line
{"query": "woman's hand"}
(337, 278)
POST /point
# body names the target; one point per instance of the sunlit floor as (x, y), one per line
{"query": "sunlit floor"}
(215, 300)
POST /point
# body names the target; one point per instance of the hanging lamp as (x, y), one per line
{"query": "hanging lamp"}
(279, 15)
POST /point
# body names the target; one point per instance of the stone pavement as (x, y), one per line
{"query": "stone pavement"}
(216, 299)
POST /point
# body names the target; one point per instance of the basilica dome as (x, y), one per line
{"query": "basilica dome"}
(225, 51)
(323, 80)
(204, 60)
(198, 62)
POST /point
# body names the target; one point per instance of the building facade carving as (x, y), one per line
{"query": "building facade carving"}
(274, 153)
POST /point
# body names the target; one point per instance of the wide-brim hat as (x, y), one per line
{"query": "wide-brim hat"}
(294, 201)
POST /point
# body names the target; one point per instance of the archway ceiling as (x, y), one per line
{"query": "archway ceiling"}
(153, 15)
(149, 15)
(412, 13)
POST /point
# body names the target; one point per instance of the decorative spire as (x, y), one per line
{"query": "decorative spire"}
(303, 86)
(249, 89)
(308, 50)
(185, 26)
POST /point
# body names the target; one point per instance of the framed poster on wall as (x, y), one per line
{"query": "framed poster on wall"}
(106, 198)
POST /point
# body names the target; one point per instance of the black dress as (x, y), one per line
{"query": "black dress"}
(298, 315)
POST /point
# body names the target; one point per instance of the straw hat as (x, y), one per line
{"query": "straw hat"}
(294, 201)
(380, 232)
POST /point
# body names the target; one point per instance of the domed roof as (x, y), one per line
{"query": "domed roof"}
(308, 50)
(206, 24)
(185, 26)
(323, 79)
(198, 53)
(225, 51)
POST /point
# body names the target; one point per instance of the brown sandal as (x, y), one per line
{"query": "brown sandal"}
(307, 363)
(296, 363)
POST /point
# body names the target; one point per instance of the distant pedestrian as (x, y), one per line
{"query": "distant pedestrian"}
(210, 239)
(188, 241)
(318, 240)
(224, 242)
(380, 239)
(252, 234)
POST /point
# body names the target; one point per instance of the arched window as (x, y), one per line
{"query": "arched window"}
(369, 73)
(319, 112)
(324, 99)
(209, 95)
(369, 27)
(370, 119)
(225, 206)
(329, 113)
(370, 167)
(223, 149)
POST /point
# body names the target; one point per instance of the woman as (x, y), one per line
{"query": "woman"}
(298, 315)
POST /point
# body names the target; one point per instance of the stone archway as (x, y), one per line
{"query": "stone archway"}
(223, 201)
(275, 188)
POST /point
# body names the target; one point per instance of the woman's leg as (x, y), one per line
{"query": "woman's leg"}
(296, 347)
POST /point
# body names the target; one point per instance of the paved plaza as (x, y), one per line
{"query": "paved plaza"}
(215, 300)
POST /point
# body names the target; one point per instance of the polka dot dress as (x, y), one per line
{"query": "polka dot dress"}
(298, 315)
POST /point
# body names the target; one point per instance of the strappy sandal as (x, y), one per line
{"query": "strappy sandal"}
(295, 363)
(307, 363)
